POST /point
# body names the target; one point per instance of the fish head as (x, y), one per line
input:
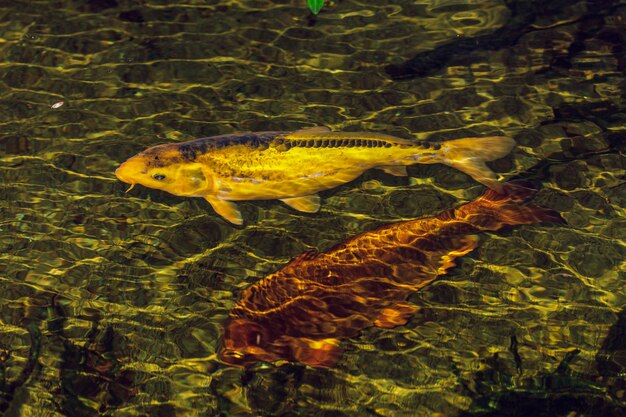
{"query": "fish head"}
(246, 342)
(163, 168)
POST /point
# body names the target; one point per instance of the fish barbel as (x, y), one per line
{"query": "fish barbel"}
(294, 166)
(300, 313)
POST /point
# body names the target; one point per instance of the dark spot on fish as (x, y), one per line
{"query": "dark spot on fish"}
(287, 145)
(157, 163)
(425, 145)
(310, 143)
(260, 140)
(387, 145)
(333, 143)
(436, 146)
(350, 144)
(253, 142)
(187, 152)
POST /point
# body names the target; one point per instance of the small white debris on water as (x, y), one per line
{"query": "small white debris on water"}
(57, 104)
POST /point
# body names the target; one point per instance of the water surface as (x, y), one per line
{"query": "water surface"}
(112, 303)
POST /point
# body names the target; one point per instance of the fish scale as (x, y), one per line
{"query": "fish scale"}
(294, 166)
(301, 312)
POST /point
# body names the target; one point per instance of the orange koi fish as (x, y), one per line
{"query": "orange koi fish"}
(301, 312)
(294, 166)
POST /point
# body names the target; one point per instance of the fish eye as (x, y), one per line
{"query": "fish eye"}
(158, 177)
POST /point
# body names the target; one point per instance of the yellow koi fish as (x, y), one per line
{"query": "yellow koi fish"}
(294, 166)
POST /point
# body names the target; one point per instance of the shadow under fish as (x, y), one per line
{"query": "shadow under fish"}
(301, 312)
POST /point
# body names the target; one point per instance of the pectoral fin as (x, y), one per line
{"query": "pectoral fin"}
(226, 209)
(317, 353)
(396, 315)
(307, 204)
(397, 170)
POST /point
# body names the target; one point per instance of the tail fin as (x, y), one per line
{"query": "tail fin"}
(469, 155)
(494, 210)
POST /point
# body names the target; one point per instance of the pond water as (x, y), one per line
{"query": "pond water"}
(113, 303)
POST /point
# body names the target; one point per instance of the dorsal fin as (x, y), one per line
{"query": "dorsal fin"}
(324, 133)
(381, 136)
(310, 130)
